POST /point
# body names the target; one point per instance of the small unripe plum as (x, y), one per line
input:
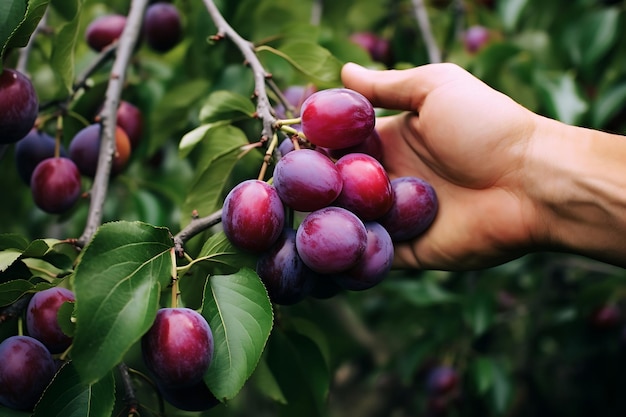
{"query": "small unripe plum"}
(55, 185)
(414, 208)
(178, 347)
(162, 26)
(41, 318)
(104, 30)
(129, 118)
(337, 118)
(26, 369)
(253, 215)
(31, 150)
(19, 106)
(84, 150)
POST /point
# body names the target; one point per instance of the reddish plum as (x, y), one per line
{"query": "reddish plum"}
(372, 146)
(129, 118)
(104, 30)
(366, 187)
(337, 118)
(378, 48)
(306, 180)
(84, 150)
(253, 215)
(55, 185)
(413, 210)
(331, 240)
(375, 263)
(162, 26)
(41, 318)
(31, 150)
(475, 37)
(26, 369)
(287, 279)
(442, 379)
(178, 348)
(19, 106)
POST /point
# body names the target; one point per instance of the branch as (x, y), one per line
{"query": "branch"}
(197, 225)
(421, 14)
(108, 116)
(263, 108)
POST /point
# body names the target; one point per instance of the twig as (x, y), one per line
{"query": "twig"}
(421, 14)
(197, 225)
(263, 107)
(108, 116)
(130, 398)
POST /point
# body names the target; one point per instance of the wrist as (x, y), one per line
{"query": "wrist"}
(577, 182)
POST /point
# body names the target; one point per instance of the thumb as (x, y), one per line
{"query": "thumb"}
(399, 89)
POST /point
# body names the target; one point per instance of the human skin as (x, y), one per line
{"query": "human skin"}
(509, 181)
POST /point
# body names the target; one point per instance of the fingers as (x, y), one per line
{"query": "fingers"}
(399, 89)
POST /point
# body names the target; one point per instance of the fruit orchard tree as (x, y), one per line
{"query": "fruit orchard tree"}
(198, 221)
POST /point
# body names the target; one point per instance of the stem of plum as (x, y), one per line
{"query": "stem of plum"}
(57, 137)
(293, 121)
(268, 156)
(174, 278)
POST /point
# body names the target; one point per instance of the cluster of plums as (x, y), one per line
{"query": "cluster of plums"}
(352, 213)
(27, 364)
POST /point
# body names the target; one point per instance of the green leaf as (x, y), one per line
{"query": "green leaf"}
(12, 12)
(420, 292)
(67, 396)
(240, 315)
(562, 96)
(266, 383)
(46, 249)
(608, 104)
(34, 12)
(298, 366)
(9, 240)
(7, 257)
(197, 135)
(225, 105)
(510, 12)
(12, 291)
(62, 57)
(218, 249)
(117, 285)
(479, 312)
(221, 149)
(312, 60)
(65, 318)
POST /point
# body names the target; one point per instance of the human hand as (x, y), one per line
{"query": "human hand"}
(471, 144)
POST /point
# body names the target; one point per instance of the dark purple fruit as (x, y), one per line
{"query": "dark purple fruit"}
(84, 150)
(441, 380)
(130, 119)
(475, 37)
(104, 30)
(19, 106)
(287, 279)
(41, 318)
(162, 26)
(378, 48)
(253, 215)
(26, 369)
(178, 348)
(31, 150)
(55, 185)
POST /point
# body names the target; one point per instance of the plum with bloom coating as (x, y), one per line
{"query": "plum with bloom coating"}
(19, 106)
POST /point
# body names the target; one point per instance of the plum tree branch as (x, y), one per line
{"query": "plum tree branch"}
(108, 116)
(197, 225)
(263, 107)
(421, 15)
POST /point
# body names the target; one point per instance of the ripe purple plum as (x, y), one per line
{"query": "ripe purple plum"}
(104, 30)
(337, 118)
(41, 318)
(372, 146)
(194, 398)
(162, 26)
(178, 347)
(366, 186)
(414, 208)
(19, 106)
(31, 150)
(378, 48)
(287, 279)
(441, 380)
(26, 369)
(331, 240)
(306, 180)
(253, 215)
(84, 150)
(295, 96)
(55, 185)
(375, 263)
(130, 119)
(475, 37)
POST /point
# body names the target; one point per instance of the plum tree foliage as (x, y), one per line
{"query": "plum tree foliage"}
(209, 95)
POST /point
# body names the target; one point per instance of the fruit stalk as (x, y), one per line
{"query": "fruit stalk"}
(108, 116)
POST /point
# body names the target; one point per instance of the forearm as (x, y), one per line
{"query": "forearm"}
(577, 177)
